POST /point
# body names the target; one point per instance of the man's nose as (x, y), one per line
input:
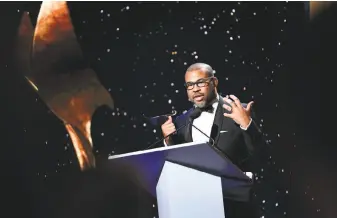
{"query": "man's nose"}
(196, 88)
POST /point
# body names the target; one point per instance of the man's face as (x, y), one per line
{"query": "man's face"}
(201, 89)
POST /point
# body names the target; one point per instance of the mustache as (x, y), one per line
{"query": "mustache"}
(197, 95)
(191, 99)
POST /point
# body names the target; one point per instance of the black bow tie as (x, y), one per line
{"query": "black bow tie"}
(208, 109)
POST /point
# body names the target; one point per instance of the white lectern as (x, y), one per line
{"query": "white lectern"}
(188, 180)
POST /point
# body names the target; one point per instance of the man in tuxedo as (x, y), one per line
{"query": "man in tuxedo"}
(229, 122)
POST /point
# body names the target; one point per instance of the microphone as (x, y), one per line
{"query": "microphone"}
(159, 120)
(194, 114)
(213, 142)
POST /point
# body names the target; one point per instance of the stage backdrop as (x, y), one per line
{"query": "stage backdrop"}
(136, 55)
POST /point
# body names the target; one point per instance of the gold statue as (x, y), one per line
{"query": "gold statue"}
(52, 61)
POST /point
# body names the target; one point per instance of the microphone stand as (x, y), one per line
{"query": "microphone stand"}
(213, 142)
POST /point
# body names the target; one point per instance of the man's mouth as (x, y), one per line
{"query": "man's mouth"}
(198, 97)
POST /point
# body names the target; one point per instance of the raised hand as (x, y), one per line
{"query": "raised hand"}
(239, 114)
(168, 128)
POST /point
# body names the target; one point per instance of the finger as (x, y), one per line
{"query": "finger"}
(227, 107)
(169, 120)
(172, 129)
(169, 131)
(168, 125)
(227, 115)
(249, 106)
(236, 100)
(171, 126)
(229, 101)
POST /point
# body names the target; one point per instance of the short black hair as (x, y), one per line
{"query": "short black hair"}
(201, 66)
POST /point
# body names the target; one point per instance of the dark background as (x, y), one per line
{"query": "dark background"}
(277, 60)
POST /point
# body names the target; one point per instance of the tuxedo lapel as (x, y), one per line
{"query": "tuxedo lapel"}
(188, 135)
(218, 120)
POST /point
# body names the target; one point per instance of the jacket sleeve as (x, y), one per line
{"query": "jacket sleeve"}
(253, 136)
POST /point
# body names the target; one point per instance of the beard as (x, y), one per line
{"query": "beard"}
(209, 97)
(200, 104)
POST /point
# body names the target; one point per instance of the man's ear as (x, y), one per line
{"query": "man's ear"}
(215, 82)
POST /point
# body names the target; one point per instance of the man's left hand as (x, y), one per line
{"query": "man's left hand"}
(238, 113)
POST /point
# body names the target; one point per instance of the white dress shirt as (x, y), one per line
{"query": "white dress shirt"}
(204, 122)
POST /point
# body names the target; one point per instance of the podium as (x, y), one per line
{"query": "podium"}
(188, 180)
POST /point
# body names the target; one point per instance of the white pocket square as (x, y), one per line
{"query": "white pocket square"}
(222, 131)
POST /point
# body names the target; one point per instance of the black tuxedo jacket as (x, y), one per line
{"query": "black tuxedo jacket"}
(237, 144)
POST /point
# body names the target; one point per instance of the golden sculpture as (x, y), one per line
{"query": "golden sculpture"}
(317, 7)
(52, 61)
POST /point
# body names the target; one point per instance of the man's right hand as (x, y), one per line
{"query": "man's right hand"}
(168, 128)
